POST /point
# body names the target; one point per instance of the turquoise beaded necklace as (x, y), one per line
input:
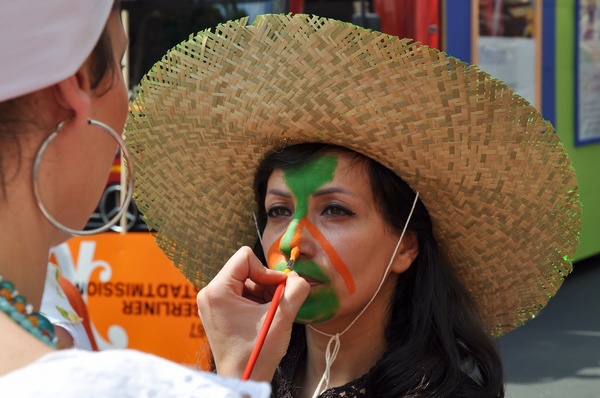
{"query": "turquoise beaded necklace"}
(15, 305)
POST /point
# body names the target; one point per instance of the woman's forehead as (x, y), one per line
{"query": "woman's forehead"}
(338, 168)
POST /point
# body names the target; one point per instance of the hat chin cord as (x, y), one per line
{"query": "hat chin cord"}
(333, 346)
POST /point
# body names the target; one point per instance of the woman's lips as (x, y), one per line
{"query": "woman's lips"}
(312, 282)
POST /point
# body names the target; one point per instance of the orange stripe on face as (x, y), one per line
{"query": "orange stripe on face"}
(274, 255)
(335, 258)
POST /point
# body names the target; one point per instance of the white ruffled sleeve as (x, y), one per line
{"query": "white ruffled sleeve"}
(121, 373)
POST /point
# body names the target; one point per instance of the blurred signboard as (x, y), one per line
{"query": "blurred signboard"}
(136, 298)
(588, 72)
(507, 44)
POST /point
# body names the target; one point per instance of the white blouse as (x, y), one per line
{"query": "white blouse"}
(120, 373)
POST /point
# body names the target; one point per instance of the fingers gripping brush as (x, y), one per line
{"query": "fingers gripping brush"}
(262, 335)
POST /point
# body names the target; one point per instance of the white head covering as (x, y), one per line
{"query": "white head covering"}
(44, 42)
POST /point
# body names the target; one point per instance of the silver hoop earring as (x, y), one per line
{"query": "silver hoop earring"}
(128, 196)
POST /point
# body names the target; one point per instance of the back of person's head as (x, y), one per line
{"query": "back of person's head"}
(42, 43)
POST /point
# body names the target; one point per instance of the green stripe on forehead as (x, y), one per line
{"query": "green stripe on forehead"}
(303, 181)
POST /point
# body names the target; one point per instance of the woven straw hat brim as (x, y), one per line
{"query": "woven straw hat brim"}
(492, 173)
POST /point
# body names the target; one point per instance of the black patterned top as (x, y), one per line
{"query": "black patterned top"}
(283, 382)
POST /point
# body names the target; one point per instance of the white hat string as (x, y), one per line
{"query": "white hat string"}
(331, 352)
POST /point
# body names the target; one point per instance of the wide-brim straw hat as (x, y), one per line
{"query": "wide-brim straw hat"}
(497, 183)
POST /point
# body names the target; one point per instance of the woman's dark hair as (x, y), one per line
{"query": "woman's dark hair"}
(102, 60)
(102, 67)
(437, 346)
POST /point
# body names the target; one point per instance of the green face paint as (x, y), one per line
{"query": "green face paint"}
(321, 305)
(322, 302)
(303, 182)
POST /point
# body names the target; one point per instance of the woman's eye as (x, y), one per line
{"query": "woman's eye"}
(336, 210)
(278, 211)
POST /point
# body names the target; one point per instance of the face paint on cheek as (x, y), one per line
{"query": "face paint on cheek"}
(274, 255)
(322, 302)
(321, 305)
(335, 258)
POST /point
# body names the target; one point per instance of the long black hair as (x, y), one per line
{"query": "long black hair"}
(436, 343)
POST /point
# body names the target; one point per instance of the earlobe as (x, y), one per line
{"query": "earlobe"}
(407, 253)
(73, 94)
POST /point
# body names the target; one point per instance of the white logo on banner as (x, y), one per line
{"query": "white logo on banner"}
(79, 274)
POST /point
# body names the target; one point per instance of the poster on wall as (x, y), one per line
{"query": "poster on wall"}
(507, 44)
(135, 297)
(588, 72)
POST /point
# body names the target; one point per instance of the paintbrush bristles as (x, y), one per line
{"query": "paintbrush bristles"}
(294, 253)
(293, 256)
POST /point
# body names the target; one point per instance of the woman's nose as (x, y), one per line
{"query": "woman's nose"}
(291, 237)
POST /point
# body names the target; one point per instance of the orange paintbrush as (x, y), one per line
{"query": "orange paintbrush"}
(262, 335)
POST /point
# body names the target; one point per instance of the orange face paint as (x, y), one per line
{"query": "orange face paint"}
(333, 255)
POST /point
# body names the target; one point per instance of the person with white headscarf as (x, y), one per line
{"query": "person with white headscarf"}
(62, 101)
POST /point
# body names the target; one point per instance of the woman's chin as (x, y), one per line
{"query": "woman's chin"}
(317, 319)
(308, 317)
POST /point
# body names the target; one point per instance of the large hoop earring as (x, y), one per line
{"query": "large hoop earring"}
(128, 196)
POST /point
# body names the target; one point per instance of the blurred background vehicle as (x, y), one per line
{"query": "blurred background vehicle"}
(110, 205)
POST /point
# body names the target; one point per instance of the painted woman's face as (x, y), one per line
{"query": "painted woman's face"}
(327, 208)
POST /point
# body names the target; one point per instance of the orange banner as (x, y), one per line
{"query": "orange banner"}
(136, 298)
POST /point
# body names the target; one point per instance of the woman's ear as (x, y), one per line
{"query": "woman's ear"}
(73, 95)
(407, 252)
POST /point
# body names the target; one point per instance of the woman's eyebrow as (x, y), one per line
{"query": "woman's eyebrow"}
(331, 190)
(279, 192)
(319, 192)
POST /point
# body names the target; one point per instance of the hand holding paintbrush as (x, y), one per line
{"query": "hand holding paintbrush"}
(233, 304)
(262, 335)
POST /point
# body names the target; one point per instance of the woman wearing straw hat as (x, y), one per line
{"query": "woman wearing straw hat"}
(432, 208)
(62, 102)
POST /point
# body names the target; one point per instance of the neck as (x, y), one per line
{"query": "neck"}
(24, 245)
(360, 347)
(353, 360)
(17, 346)
(25, 241)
